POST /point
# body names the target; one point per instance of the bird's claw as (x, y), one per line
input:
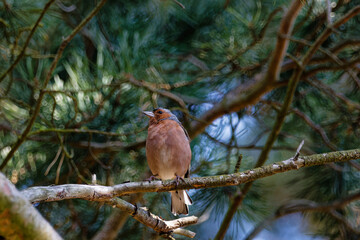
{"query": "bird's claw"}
(152, 178)
(177, 179)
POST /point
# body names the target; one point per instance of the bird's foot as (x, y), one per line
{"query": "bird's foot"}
(177, 180)
(152, 178)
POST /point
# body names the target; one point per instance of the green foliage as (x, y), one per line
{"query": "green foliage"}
(198, 54)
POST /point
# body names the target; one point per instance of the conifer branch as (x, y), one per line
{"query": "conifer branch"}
(22, 53)
(36, 111)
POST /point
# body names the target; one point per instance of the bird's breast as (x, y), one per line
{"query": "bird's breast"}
(167, 150)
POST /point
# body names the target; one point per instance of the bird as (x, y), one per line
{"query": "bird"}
(168, 154)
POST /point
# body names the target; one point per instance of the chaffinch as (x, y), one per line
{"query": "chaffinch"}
(168, 154)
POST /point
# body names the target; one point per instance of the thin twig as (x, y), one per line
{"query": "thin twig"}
(298, 150)
(164, 93)
(53, 162)
(18, 58)
(59, 53)
(309, 122)
(332, 94)
(59, 168)
(79, 130)
(180, 4)
(302, 205)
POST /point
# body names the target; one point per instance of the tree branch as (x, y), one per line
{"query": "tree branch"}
(309, 122)
(18, 218)
(158, 224)
(80, 130)
(59, 53)
(295, 78)
(102, 193)
(333, 95)
(302, 206)
(247, 94)
(109, 193)
(164, 93)
(325, 34)
(18, 58)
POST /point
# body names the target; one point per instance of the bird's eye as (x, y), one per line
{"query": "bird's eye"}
(160, 112)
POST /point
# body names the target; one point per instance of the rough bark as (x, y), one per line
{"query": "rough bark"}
(18, 218)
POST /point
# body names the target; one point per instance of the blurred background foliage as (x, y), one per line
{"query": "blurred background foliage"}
(138, 55)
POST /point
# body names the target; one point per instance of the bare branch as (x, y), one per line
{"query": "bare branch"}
(18, 218)
(101, 193)
(145, 217)
(109, 193)
(184, 232)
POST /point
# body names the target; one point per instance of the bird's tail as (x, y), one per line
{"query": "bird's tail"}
(179, 202)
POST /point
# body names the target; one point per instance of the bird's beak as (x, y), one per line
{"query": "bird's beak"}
(149, 114)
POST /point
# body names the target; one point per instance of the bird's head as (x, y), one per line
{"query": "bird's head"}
(158, 114)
